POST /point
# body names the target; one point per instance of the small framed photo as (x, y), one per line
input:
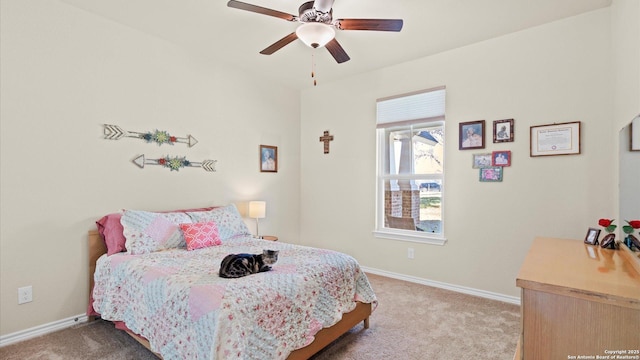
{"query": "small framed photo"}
(471, 135)
(555, 139)
(634, 130)
(501, 158)
(481, 160)
(503, 131)
(491, 174)
(592, 236)
(268, 158)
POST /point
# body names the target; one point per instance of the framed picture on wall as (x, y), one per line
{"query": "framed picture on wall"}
(491, 174)
(471, 135)
(503, 131)
(555, 139)
(501, 158)
(481, 160)
(268, 158)
(634, 129)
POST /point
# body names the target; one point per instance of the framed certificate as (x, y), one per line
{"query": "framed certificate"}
(555, 139)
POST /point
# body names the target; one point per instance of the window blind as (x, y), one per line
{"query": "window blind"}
(427, 105)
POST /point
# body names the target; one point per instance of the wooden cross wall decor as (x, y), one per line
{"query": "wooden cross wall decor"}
(325, 139)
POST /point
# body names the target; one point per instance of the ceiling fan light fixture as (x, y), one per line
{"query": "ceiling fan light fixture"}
(315, 35)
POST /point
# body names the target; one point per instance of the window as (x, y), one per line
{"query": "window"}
(410, 167)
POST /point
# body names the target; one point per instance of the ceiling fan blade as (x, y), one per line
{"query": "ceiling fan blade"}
(337, 51)
(279, 44)
(370, 24)
(261, 10)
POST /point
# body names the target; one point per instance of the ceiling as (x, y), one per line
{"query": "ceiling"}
(211, 29)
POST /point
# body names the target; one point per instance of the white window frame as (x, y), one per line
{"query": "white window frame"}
(399, 118)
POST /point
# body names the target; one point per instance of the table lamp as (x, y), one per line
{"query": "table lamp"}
(257, 210)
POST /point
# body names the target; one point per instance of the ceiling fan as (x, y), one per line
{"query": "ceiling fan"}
(317, 27)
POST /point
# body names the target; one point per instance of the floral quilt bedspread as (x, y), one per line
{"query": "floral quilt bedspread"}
(177, 301)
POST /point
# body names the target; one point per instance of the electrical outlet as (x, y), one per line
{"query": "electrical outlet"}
(25, 294)
(410, 253)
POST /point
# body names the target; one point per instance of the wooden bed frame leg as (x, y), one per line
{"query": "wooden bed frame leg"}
(366, 322)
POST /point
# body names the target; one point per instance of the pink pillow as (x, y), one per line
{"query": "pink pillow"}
(111, 229)
(201, 235)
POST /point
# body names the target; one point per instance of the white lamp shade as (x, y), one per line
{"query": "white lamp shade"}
(315, 35)
(257, 209)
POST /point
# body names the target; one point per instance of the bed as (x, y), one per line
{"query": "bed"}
(172, 300)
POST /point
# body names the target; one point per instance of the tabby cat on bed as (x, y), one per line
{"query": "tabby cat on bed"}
(239, 265)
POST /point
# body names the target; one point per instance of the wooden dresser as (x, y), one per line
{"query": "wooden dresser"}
(578, 302)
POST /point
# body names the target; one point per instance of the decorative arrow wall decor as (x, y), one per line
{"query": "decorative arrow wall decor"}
(115, 132)
(175, 163)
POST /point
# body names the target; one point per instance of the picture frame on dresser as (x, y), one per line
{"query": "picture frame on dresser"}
(592, 236)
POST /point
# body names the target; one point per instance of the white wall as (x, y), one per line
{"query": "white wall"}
(65, 73)
(558, 72)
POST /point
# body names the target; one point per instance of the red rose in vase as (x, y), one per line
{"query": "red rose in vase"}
(634, 224)
(608, 225)
(608, 241)
(630, 240)
(604, 222)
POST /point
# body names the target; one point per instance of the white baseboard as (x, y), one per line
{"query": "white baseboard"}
(461, 289)
(42, 329)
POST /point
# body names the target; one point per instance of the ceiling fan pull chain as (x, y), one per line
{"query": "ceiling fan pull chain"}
(313, 67)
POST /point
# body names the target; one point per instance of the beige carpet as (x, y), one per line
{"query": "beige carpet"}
(412, 322)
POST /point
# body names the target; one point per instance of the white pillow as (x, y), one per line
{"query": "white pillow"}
(228, 219)
(147, 232)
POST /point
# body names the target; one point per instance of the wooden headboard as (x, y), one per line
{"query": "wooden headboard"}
(96, 249)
